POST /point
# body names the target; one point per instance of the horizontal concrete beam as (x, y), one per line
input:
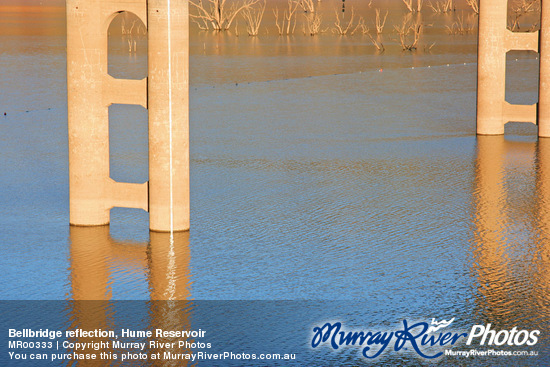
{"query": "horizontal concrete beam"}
(528, 41)
(124, 91)
(519, 113)
(128, 195)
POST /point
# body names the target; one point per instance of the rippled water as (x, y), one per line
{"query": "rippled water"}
(320, 170)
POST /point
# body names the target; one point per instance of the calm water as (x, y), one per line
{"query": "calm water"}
(321, 170)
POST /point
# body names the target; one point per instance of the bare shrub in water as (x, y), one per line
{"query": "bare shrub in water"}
(521, 8)
(131, 33)
(376, 42)
(380, 23)
(308, 6)
(409, 34)
(410, 6)
(442, 7)
(361, 27)
(253, 18)
(313, 24)
(474, 4)
(462, 26)
(218, 14)
(287, 25)
(342, 27)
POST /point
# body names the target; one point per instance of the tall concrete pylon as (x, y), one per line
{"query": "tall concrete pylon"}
(165, 93)
(495, 40)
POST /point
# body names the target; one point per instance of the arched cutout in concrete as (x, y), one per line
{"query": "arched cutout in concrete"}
(127, 45)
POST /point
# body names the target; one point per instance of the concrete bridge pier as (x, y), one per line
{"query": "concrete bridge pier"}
(90, 92)
(494, 41)
(491, 71)
(544, 77)
(168, 97)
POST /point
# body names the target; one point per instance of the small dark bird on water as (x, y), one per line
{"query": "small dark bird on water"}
(5, 113)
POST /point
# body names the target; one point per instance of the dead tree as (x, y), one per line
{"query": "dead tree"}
(308, 6)
(474, 4)
(409, 34)
(443, 6)
(286, 24)
(253, 18)
(380, 23)
(462, 26)
(217, 13)
(341, 27)
(313, 23)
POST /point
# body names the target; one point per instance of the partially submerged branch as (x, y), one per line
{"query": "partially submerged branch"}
(408, 4)
(286, 24)
(217, 14)
(409, 34)
(253, 18)
(341, 27)
(313, 24)
(474, 4)
(307, 5)
(462, 26)
(380, 23)
(442, 6)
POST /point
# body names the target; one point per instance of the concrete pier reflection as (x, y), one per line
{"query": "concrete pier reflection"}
(510, 274)
(165, 261)
(541, 256)
(489, 220)
(94, 256)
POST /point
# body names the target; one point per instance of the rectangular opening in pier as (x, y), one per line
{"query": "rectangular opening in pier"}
(522, 77)
(128, 143)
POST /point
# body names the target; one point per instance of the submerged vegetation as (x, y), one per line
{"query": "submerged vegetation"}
(371, 21)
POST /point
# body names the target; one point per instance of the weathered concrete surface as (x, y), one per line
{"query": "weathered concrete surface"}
(168, 115)
(90, 92)
(495, 40)
(544, 77)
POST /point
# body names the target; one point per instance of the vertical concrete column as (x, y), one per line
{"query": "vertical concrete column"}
(88, 117)
(544, 78)
(168, 103)
(491, 72)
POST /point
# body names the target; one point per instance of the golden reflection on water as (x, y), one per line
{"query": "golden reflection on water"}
(510, 269)
(95, 256)
(541, 256)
